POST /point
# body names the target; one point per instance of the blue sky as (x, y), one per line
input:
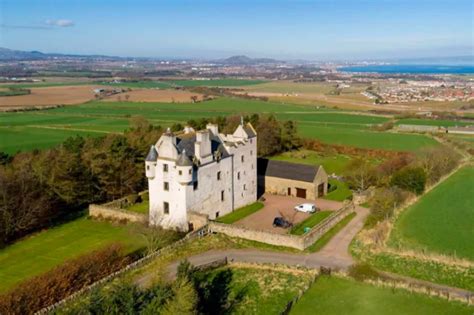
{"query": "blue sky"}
(322, 29)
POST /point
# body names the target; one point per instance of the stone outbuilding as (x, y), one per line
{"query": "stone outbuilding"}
(291, 179)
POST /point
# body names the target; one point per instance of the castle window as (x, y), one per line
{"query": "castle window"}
(166, 207)
(252, 166)
(219, 175)
(222, 195)
(148, 167)
(242, 158)
(217, 214)
(189, 171)
(245, 187)
(238, 175)
(180, 172)
(165, 167)
(166, 186)
(195, 185)
(251, 152)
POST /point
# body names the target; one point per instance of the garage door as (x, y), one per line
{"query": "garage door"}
(300, 192)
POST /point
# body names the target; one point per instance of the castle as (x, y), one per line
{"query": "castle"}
(203, 172)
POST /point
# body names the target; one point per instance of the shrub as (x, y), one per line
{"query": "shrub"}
(53, 286)
(412, 179)
(383, 203)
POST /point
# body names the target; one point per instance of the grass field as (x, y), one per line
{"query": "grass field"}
(442, 221)
(24, 130)
(44, 250)
(333, 295)
(140, 207)
(184, 83)
(341, 191)
(310, 222)
(240, 213)
(260, 290)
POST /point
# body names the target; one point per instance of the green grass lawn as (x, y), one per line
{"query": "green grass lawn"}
(333, 295)
(320, 243)
(442, 221)
(44, 250)
(341, 191)
(310, 222)
(140, 207)
(240, 213)
(247, 290)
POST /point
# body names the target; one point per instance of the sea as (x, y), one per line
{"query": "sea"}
(412, 69)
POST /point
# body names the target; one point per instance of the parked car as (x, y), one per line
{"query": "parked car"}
(307, 207)
(281, 222)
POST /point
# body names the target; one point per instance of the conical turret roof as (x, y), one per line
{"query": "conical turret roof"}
(152, 155)
(184, 160)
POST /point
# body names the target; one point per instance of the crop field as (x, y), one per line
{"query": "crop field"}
(333, 295)
(44, 250)
(442, 220)
(54, 95)
(164, 84)
(40, 129)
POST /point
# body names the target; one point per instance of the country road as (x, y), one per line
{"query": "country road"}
(335, 254)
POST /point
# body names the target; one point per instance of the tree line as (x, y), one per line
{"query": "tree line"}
(39, 188)
(397, 178)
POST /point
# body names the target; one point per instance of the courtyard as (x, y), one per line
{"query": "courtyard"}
(283, 206)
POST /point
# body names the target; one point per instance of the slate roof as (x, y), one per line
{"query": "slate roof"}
(152, 155)
(286, 170)
(249, 131)
(184, 160)
(186, 142)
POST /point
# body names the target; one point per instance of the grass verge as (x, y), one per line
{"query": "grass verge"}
(329, 234)
(311, 221)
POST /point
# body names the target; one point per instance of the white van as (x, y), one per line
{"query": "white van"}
(306, 207)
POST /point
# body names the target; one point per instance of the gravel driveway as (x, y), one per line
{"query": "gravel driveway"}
(276, 206)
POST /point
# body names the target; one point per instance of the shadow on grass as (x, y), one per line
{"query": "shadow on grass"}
(215, 292)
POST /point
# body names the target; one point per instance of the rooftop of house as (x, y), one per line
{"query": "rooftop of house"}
(287, 170)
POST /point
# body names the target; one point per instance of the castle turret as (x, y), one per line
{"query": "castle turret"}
(150, 162)
(184, 166)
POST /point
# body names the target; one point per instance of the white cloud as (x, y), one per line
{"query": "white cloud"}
(60, 23)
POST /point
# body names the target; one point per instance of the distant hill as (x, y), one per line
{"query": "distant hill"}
(11, 55)
(245, 60)
(453, 60)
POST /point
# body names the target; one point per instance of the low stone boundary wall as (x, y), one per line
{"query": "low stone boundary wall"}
(104, 212)
(319, 230)
(288, 240)
(114, 211)
(257, 235)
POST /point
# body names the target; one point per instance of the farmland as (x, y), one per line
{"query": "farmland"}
(333, 295)
(442, 220)
(155, 95)
(54, 95)
(44, 250)
(40, 129)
